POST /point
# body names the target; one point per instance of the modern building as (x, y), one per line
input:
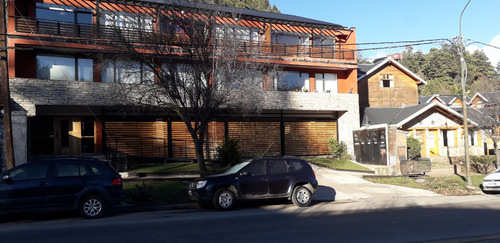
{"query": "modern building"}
(60, 86)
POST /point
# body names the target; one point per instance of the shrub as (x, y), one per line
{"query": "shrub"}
(483, 164)
(413, 146)
(338, 149)
(228, 153)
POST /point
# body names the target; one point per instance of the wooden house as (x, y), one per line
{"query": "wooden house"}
(387, 84)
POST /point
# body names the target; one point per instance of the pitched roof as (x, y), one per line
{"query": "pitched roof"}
(248, 12)
(488, 97)
(389, 60)
(402, 115)
(445, 99)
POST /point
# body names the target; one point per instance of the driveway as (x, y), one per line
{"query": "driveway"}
(350, 186)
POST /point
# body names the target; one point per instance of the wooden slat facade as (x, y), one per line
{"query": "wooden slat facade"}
(150, 139)
(309, 138)
(256, 137)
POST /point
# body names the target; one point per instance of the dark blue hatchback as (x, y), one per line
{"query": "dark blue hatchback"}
(77, 183)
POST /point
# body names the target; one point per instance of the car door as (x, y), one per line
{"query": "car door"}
(253, 180)
(69, 179)
(279, 177)
(25, 187)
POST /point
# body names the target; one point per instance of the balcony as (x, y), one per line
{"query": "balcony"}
(94, 34)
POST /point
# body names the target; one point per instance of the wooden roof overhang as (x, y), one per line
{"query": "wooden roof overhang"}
(250, 18)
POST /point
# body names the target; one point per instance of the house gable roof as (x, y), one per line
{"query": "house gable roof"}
(401, 115)
(389, 60)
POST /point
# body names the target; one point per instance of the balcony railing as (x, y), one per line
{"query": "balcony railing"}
(108, 33)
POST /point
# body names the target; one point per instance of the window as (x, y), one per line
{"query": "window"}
(289, 38)
(64, 68)
(67, 169)
(63, 13)
(386, 80)
(448, 138)
(30, 172)
(125, 72)
(256, 168)
(97, 169)
(278, 167)
(127, 20)
(472, 138)
(291, 81)
(326, 82)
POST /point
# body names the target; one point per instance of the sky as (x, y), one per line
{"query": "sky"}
(407, 20)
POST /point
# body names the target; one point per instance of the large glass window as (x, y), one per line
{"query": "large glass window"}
(326, 82)
(290, 39)
(127, 20)
(64, 68)
(126, 72)
(63, 13)
(291, 81)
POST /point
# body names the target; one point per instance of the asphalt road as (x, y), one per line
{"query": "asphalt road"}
(413, 219)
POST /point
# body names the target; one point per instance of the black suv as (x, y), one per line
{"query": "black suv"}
(263, 178)
(85, 184)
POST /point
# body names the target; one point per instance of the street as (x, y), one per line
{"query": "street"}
(409, 219)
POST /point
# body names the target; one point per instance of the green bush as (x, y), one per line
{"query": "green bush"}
(338, 149)
(483, 164)
(413, 146)
(228, 153)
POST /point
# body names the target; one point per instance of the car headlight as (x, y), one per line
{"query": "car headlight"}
(201, 184)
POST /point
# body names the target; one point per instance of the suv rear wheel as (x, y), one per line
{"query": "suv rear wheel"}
(92, 207)
(301, 196)
(224, 199)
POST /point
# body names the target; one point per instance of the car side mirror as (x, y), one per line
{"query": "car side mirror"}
(6, 179)
(244, 173)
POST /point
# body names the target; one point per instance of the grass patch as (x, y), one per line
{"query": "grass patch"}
(448, 186)
(337, 164)
(177, 167)
(154, 193)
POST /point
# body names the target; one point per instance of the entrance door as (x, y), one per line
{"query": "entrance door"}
(433, 142)
(67, 133)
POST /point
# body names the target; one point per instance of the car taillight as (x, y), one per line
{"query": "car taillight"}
(116, 181)
(314, 174)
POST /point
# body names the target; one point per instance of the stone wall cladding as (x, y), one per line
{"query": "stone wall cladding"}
(28, 93)
(321, 102)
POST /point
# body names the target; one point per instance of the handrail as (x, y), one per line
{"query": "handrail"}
(90, 31)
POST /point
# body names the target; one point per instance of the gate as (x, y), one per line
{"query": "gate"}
(370, 146)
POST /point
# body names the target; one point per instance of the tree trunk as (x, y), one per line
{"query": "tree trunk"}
(497, 154)
(200, 158)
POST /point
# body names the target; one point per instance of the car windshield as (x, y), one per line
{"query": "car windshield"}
(236, 168)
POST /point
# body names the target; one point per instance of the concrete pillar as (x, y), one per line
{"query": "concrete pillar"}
(20, 136)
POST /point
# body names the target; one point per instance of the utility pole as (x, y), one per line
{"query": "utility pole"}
(463, 67)
(7, 121)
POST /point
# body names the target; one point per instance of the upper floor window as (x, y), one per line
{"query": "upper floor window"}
(240, 33)
(386, 81)
(290, 38)
(291, 81)
(124, 20)
(64, 68)
(116, 71)
(325, 41)
(326, 82)
(63, 13)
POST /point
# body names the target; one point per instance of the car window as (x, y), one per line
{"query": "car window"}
(296, 165)
(64, 169)
(31, 172)
(98, 169)
(278, 166)
(257, 167)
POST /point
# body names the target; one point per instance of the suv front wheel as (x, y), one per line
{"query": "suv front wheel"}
(301, 196)
(224, 199)
(92, 207)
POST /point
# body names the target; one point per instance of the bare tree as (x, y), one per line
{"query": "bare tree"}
(195, 62)
(488, 120)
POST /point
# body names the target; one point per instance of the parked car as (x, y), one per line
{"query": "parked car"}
(491, 182)
(85, 184)
(264, 178)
